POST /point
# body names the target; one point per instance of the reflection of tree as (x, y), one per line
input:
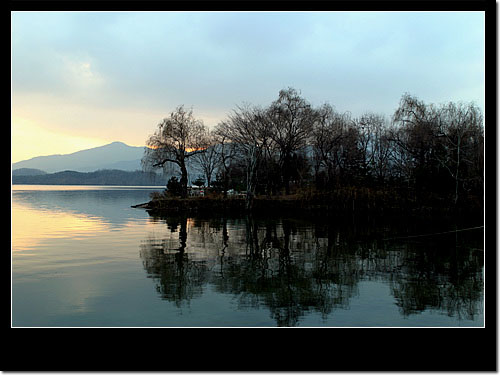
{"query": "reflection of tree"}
(178, 278)
(431, 274)
(294, 267)
(439, 277)
(269, 276)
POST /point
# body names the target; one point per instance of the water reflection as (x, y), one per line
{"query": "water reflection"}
(179, 278)
(107, 203)
(31, 226)
(443, 278)
(294, 267)
(42, 212)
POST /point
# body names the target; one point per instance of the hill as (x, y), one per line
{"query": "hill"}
(101, 177)
(27, 172)
(116, 155)
(113, 156)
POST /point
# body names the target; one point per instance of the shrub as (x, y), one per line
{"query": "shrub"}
(155, 195)
(174, 188)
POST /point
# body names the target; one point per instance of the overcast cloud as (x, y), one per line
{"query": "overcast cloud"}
(115, 75)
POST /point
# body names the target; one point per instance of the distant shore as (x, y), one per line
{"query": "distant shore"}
(100, 177)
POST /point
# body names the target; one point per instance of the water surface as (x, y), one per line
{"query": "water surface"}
(81, 256)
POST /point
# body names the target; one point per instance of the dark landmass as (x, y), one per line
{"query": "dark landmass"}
(341, 202)
(27, 172)
(101, 177)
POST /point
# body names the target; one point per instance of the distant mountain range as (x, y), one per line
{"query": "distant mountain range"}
(101, 177)
(27, 172)
(112, 164)
(116, 155)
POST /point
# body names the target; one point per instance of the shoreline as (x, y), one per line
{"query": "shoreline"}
(320, 205)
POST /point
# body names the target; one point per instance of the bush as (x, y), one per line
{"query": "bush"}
(199, 182)
(174, 188)
(155, 195)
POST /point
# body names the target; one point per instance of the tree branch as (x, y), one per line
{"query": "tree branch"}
(161, 163)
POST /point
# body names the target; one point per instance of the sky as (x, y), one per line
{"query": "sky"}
(84, 79)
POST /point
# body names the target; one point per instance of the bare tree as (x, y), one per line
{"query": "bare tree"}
(177, 138)
(460, 126)
(291, 118)
(250, 133)
(415, 138)
(207, 161)
(432, 139)
(331, 141)
(225, 155)
(375, 145)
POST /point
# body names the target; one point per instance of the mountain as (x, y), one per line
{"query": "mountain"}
(101, 177)
(27, 172)
(116, 155)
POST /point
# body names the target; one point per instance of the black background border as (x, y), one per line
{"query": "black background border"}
(272, 349)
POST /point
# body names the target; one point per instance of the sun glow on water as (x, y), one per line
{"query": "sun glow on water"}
(31, 226)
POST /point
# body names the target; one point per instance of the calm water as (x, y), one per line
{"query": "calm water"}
(81, 256)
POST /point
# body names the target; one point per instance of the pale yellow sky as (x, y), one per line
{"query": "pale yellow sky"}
(30, 140)
(45, 125)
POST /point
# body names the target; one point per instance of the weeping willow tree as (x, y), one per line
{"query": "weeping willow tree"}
(177, 138)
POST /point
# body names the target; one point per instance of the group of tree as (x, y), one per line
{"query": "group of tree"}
(423, 150)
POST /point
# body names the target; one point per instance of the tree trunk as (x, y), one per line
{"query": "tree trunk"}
(225, 184)
(250, 190)
(285, 167)
(457, 170)
(251, 170)
(249, 201)
(184, 180)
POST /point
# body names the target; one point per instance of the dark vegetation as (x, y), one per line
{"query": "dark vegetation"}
(425, 157)
(101, 177)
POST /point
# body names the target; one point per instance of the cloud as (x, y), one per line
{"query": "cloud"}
(87, 65)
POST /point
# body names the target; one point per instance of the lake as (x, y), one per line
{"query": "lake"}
(82, 257)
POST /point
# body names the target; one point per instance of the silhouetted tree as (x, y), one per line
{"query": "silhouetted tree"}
(427, 153)
(437, 143)
(416, 139)
(177, 138)
(250, 133)
(460, 134)
(225, 157)
(333, 141)
(291, 119)
(374, 145)
(207, 161)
